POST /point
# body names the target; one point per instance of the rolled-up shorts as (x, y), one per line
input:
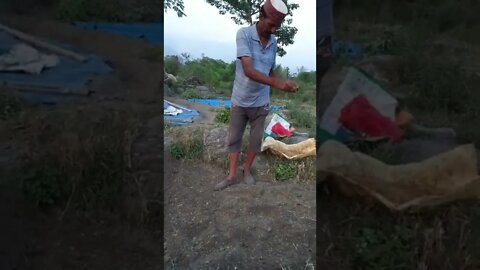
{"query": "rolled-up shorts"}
(239, 117)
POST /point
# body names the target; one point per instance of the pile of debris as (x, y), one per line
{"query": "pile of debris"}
(43, 72)
(279, 128)
(362, 111)
(176, 114)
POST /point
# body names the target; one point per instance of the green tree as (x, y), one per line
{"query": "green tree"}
(176, 5)
(208, 71)
(172, 64)
(244, 12)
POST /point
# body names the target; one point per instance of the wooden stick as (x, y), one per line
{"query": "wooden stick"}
(34, 41)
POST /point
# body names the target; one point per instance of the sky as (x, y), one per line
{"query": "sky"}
(205, 31)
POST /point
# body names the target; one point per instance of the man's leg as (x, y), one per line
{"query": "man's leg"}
(232, 162)
(249, 162)
(238, 122)
(257, 124)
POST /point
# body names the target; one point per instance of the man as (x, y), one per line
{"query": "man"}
(256, 53)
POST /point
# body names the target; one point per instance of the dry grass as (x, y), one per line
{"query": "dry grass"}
(298, 171)
(187, 142)
(354, 236)
(88, 149)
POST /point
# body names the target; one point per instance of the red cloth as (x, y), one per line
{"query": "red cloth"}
(281, 131)
(360, 116)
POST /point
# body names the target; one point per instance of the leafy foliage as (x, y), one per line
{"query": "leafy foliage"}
(187, 149)
(300, 116)
(191, 93)
(244, 11)
(172, 65)
(223, 116)
(209, 71)
(178, 151)
(306, 76)
(307, 85)
(284, 171)
(176, 5)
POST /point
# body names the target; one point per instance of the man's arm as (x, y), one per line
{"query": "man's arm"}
(251, 73)
(270, 80)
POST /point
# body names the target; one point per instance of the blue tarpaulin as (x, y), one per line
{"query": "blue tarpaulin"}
(151, 32)
(214, 102)
(179, 119)
(68, 74)
(217, 102)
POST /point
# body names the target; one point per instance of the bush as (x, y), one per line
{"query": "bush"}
(190, 93)
(172, 65)
(223, 116)
(209, 71)
(300, 117)
(188, 149)
(178, 151)
(307, 76)
(284, 171)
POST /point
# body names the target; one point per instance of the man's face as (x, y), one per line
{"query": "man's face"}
(268, 27)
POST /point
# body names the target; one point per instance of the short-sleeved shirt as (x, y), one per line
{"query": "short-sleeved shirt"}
(247, 92)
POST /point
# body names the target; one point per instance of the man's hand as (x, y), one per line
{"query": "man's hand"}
(287, 86)
(250, 72)
(292, 86)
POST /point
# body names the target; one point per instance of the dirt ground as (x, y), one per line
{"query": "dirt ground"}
(266, 226)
